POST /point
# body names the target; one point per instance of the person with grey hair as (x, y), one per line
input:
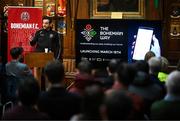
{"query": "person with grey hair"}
(154, 65)
(169, 107)
(163, 74)
(154, 69)
(173, 84)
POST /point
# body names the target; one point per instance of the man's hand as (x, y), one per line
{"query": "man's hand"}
(155, 46)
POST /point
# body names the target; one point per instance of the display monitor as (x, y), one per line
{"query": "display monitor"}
(100, 40)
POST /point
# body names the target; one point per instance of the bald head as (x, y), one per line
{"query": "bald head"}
(173, 83)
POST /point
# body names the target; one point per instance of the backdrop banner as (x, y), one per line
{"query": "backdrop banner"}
(23, 22)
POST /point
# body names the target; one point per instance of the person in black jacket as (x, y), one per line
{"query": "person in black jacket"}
(47, 38)
(57, 102)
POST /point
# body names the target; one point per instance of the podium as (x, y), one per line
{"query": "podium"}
(37, 61)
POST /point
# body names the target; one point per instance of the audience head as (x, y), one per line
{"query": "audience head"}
(54, 71)
(148, 55)
(92, 101)
(154, 65)
(164, 64)
(141, 79)
(118, 105)
(173, 83)
(16, 52)
(28, 91)
(85, 67)
(113, 65)
(142, 65)
(126, 73)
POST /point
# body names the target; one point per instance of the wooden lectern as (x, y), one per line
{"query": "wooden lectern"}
(38, 60)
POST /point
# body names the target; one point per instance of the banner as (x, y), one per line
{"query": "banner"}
(100, 40)
(23, 22)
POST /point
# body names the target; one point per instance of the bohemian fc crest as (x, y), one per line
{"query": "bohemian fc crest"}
(25, 16)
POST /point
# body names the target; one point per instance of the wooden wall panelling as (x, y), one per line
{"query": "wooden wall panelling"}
(67, 44)
(164, 28)
(78, 10)
(69, 65)
(83, 9)
(173, 42)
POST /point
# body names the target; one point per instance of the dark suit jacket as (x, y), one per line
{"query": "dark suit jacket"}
(59, 104)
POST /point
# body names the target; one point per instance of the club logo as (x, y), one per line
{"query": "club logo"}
(88, 32)
(25, 16)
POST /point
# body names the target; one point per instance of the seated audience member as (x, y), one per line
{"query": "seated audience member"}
(142, 65)
(145, 88)
(148, 55)
(84, 67)
(28, 92)
(16, 68)
(57, 102)
(80, 83)
(83, 77)
(124, 77)
(15, 71)
(91, 104)
(101, 75)
(162, 75)
(117, 106)
(154, 69)
(169, 107)
(111, 69)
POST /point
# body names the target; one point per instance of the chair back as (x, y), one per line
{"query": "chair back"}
(7, 106)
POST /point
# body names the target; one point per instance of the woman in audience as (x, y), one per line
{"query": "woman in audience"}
(148, 55)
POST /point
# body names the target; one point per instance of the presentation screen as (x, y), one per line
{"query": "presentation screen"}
(100, 40)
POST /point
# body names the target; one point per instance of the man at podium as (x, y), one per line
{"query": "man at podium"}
(47, 40)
